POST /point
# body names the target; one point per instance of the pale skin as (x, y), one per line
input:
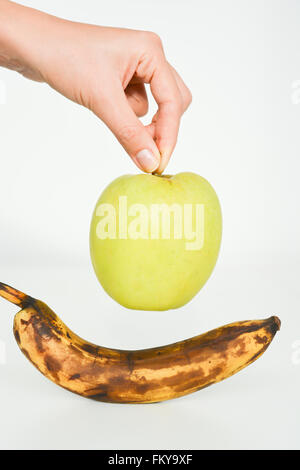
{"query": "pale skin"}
(104, 69)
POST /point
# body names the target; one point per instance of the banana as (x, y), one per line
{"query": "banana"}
(144, 376)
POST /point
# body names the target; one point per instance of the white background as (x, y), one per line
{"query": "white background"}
(241, 60)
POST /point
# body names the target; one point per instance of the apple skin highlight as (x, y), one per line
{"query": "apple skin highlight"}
(145, 262)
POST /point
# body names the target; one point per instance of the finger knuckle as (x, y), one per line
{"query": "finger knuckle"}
(153, 38)
(189, 97)
(128, 133)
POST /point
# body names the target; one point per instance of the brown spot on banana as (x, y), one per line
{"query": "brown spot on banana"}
(143, 376)
(262, 340)
(53, 366)
(74, 377)
(17, 337)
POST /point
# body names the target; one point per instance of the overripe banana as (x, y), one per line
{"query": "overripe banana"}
(145, 376)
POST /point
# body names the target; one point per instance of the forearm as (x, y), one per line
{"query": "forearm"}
(21, 36)
(10, 54)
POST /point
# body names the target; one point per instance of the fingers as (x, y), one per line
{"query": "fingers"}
(137, 98)
(186, 94)
(168, 97)
(150, 147)
(115, 111)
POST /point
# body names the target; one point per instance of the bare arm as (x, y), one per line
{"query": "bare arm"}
(103, 69)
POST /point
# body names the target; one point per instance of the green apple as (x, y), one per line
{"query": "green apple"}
(155, 240)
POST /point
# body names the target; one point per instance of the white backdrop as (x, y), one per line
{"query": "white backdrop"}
(241, 60)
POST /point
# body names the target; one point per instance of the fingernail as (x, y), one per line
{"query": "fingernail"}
(165, 157)
(147, 160)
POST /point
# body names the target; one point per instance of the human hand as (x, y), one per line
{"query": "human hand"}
(105, 70)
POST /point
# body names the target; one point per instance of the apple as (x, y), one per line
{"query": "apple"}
(154, 240)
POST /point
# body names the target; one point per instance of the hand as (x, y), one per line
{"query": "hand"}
(105, 70)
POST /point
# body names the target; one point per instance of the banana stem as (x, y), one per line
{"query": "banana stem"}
(14, 295)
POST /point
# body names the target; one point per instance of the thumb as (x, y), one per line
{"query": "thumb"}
(128, 129)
